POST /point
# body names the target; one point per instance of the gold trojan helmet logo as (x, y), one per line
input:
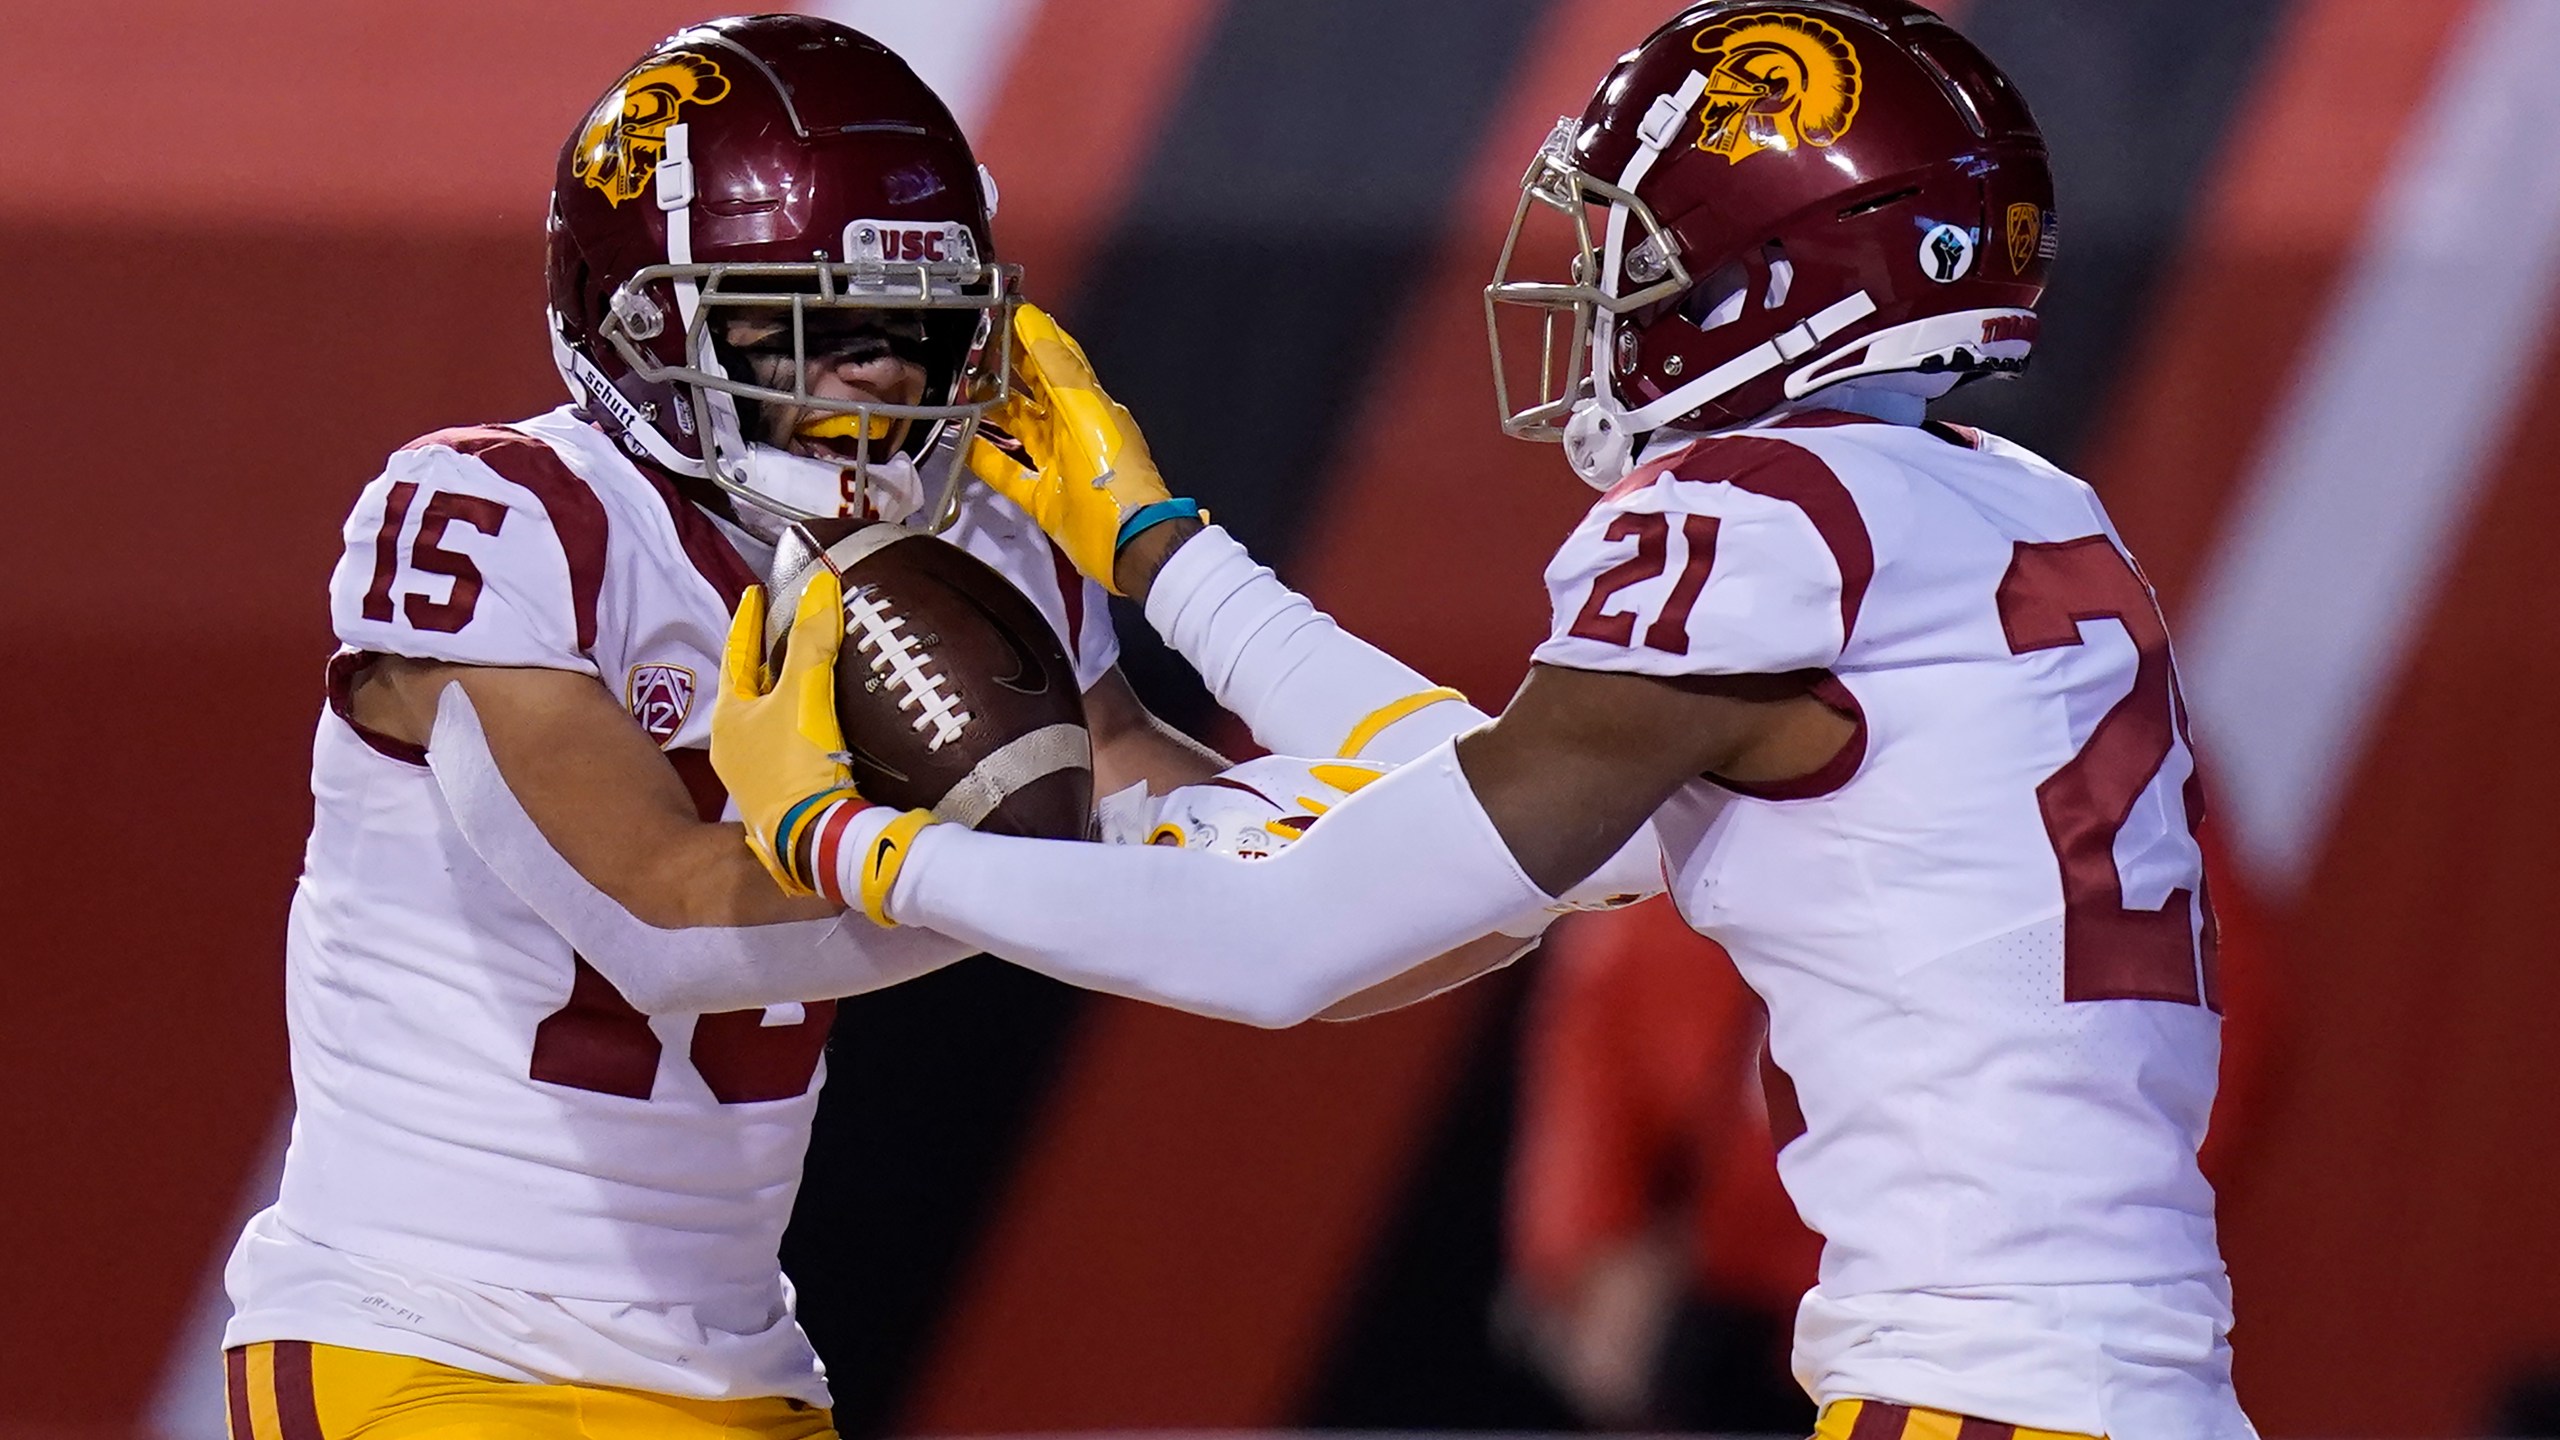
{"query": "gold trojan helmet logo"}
(620, 147)
(1775, 81)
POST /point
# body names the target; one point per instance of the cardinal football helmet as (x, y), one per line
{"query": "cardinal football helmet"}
(1767, 197)
(789, 168)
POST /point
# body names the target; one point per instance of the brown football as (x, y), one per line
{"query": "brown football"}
(954, 693)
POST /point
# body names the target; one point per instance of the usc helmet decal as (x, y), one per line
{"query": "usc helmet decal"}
(626, 134)
(1775, 80)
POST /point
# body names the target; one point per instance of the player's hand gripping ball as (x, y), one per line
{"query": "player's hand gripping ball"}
(775, 739)
(952, 691)
(899, 669)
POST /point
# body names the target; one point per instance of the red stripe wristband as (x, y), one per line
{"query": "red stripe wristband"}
(826, 835)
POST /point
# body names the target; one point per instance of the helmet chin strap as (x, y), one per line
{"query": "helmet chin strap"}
(1598, 441)
(778, 488)
(774, 486)
(588, 386)
(1600, 438)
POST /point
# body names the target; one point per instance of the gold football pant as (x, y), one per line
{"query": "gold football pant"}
(295, 1390)
(1875, 1420)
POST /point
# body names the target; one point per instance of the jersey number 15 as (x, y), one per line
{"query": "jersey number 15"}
(427, 555)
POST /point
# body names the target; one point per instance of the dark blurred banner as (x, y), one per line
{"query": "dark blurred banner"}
(2301, 337)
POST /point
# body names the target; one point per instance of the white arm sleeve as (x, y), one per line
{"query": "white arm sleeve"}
(1303, 684)
(702, 970)
(1306, 686)
(1407, 869)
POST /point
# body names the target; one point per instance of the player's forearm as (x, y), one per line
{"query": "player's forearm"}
(1471, 961)
(599, 792)
(703, 876)
(1405, 871)
(743, 949)
(1131, 746)
(1304, 684)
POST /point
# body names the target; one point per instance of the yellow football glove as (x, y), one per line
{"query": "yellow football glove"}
(777, 745)
(1078, 465)
(1345, 778)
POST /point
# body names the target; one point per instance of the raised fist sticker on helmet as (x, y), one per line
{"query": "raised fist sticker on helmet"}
(1946, 253)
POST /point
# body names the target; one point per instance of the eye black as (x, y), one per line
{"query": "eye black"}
(858, 336)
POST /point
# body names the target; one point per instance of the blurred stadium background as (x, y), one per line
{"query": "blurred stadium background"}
(2302, 337)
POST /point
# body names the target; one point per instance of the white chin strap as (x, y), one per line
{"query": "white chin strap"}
(588, 386)
(1600, 438)
(808, 486)
(1597, 442)
(815, 487)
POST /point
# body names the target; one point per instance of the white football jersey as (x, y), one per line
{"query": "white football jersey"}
(1981, 931)
(496, 1161)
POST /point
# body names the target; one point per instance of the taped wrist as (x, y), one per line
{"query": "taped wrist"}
(1303, 684)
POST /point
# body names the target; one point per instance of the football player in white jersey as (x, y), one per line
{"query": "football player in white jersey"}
(556, 1040)
(1886, 700)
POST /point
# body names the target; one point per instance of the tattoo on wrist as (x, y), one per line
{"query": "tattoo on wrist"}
(1135, 570)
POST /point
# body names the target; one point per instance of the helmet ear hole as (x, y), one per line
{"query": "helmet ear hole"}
(1718, 301)
(1782, 276)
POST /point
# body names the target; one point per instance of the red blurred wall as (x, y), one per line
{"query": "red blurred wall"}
(267, 245)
